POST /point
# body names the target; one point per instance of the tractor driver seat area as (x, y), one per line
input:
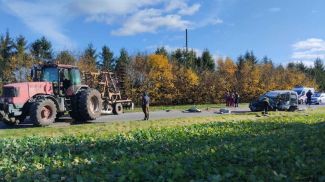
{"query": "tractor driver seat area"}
(65, 82)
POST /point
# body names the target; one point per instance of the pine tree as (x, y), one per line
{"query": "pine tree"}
(318, 73)
(106, 58)
(121, 68)
(207, 61)
(41, 49)
(123, 60)
(6, 52)
(23, 60)
(161, 51)
(87, 62)
(65, 57)
(251, 58)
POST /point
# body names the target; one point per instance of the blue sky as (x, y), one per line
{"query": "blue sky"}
(284, 30)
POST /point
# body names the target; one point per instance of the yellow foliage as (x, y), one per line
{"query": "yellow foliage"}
(160, 79)
(185, 82)
(191, 78)
(86, 66)
(227, 74)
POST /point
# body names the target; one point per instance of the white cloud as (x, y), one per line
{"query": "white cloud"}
(189, 10)
(309, 50)
(208, 22)
(42, 18)
(140, 16)
(124, 17)
(149, 21)
(182, 7)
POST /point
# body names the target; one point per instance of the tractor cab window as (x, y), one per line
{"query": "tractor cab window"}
(75, 76)
(65, 78)
(50, 74)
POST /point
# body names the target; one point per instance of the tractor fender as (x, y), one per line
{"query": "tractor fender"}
(73, 90)
(44, 96)
(82, 87)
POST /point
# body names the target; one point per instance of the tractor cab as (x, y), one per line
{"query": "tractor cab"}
(66, 79)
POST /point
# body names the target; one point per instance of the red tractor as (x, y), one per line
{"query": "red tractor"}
(55, 90)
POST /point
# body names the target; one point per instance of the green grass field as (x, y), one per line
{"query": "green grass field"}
(282, 147)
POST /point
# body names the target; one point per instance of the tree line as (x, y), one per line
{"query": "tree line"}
(170, 77)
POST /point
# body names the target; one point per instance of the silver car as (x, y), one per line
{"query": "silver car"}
(318, 98)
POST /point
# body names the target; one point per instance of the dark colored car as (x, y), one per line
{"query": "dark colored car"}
(284, 100)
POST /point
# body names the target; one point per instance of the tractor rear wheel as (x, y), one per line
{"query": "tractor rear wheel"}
(43, 112)
(74, 113)
(89, 105)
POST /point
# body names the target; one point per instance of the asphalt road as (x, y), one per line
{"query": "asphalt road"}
(136, 116)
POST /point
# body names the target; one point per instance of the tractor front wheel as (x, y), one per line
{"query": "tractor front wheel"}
(43, 112)
(118, 108)
(89, 105)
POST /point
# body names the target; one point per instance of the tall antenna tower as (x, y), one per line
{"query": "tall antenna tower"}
(186, 40)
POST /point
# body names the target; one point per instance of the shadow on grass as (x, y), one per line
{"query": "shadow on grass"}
(215, 151)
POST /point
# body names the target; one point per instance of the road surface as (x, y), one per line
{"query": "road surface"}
(136, 116)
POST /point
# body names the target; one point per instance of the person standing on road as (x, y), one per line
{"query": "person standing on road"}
(232, 99)
(266, 105)
(145, 105)
(227, 98)
(309, 94)
(236, 99)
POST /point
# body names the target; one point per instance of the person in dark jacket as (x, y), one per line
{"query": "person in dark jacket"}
(145, 105)
(266, 105)
(232, 99)
(236, 99)
(227, 99)
(309, 94)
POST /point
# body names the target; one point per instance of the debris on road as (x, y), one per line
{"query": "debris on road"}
(224, 111)
(193, 109)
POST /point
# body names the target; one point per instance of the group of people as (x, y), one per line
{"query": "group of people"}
(232, 99)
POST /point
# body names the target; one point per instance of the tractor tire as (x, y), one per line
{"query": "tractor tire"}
(43, 112)
(74, 113)
(89, 105)
(293, 108)
(117, 108)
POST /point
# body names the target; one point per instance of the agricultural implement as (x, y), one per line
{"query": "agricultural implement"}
(56, 90)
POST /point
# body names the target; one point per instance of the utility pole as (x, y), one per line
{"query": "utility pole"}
(186, 40)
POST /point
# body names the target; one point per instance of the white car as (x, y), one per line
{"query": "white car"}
(318, 98)
(302, 91)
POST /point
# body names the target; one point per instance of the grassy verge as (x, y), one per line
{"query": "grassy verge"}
(111, 128)
(284, 147)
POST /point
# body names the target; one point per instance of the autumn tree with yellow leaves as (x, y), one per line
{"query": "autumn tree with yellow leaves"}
(160, 79)
(185, 84)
